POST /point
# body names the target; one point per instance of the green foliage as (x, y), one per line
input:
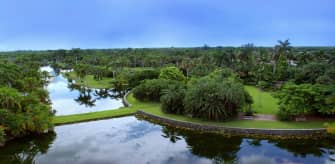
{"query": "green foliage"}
(98, 72)
(248, 102)
(330, 128)
(120, 84)
(24, 104)
(81, 70)
(282, 115)
(225, 73)
(282, 68)
(309, 73)
(9, 73)
(172, 98)
(306, 98)
(2, 134)
(25, 114)
(209, 99)
(138, 76)
(151, 90)
(201, 70)
(171, 73)
(10, 99)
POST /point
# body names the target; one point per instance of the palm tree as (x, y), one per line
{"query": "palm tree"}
(10, 99)
(283, 48)
(9, 73)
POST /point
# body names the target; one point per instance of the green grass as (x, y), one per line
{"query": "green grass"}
(124, 111)
(264, 102)
(68, 119)
(90, 82)
(154, 108)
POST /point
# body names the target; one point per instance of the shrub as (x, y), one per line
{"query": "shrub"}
(172, 73)
(172, 98)
(330, 128)
(2, 135)
(209, 99)
(306, 98)
(138, 76)
(201, 70)
(248, 102)
(150, 90)
(283, 115)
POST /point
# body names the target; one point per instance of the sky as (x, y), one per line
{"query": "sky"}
(66, 24)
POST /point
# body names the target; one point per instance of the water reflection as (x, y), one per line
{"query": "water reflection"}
(67, 97)
(25, 150)
(129, 140)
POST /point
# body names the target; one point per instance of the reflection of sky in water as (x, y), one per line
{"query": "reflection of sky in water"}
(63, 99)
(129, 140)
(108, 141)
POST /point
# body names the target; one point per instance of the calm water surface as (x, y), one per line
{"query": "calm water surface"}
(129, 140)
(69, 98)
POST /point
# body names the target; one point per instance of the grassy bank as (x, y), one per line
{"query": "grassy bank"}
(154, 108)
(90, 82)
(124, 111)
(68, 119)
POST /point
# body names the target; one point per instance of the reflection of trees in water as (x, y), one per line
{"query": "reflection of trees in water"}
(254, 142)
(304, 147)
(171, 134)
(88, 96)
(85, 97)
(224, 149)
(216, 147)
(56, 69)
(24, 150)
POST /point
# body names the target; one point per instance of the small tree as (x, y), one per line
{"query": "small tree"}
(172, 73)
(209, 99)
(172, 98)
(306, 98)
(138, 76)
(151, 90)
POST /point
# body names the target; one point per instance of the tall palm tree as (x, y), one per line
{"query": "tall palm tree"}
(283, 48)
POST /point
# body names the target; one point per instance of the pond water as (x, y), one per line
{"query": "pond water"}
(130, 140)
(68, 98)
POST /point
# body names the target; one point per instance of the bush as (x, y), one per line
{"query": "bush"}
(172, 98)
(248, 102)
(150, 90)
(330, 128)
(138, 76)
(306, 98)
(209, 99)
(283, 115)
(201, 70)
(172, 73)
(2, 135)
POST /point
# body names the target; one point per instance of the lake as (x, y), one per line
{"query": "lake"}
(68, 98)
(131, 140)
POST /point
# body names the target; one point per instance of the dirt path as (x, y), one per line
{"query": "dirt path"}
(268, 117)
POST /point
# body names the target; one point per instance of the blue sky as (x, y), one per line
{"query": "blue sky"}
(54, 24)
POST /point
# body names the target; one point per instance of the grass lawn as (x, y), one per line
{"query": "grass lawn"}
(90, 82)
(264, 102)
(59, 120)
(154, 108)
(124, 111)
